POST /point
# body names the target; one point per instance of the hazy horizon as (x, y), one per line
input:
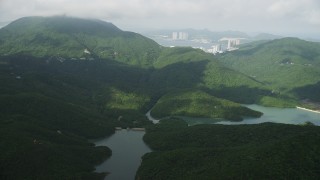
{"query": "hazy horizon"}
(279, 17)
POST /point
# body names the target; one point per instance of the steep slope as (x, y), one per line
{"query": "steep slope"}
(73, 38)
(47, 47)
(66, 38)
(284, 64)
(49, 109)
(180, 68)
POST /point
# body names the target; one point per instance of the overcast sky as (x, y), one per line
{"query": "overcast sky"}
(285, 17)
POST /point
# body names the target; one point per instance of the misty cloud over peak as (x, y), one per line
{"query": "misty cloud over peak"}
(292, 16)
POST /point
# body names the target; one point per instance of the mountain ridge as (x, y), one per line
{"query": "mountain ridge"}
(69, 37)
(284, 64)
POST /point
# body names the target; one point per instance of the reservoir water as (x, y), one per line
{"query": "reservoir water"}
(127, 149)
(270, 114)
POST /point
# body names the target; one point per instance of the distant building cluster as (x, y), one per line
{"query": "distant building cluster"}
(180, 36)
(216, 48)
(232, 43)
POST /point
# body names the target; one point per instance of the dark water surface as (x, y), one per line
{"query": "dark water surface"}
(127, 149)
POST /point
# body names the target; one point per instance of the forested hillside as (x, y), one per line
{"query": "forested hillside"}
(67, 80)
(49, 110)
(193, 103)
(261, 151)
(289, 65)
(62, 37)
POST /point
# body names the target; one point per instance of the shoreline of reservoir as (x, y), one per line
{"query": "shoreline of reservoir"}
(302, 108)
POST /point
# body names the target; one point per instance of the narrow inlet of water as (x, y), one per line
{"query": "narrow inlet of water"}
(127, 149)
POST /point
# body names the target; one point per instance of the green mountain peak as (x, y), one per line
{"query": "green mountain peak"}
(76, 38)
(63, 24)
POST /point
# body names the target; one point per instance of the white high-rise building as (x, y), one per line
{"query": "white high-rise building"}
(180, 36)
(233, 42)
(183, 36)
(216, 48)
(175, 36)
